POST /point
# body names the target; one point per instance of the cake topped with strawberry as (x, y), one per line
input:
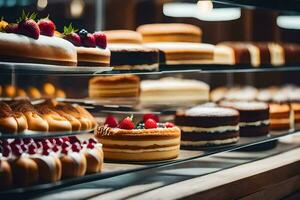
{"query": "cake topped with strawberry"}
(149, 140)
(91, 48)
(28, 41)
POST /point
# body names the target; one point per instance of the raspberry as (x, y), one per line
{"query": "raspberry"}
(127, 124)
(150, 123)
(150, 116)
(169, 125)
(111, 121)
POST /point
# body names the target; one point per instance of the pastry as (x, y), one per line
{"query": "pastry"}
(174, 90)
(171, 32)
(34, 93)
(21, 93)
(176, 53)
(49, 90)
(280, 116)
(114, 86)
(149, 141)
(254, 117)
(86, 114)
(9, 91)
(206, 126)
(5, 174)
(123, 36)
(94, 156)
(93, 56)
(8, 123)
(133, 57)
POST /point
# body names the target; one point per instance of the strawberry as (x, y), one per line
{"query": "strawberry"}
(12, 28)
(71, 35)
(150, 116)
(100, 39)
(47, 27)
(127, 124)
(150, 123)
(28, 27)
(169, 125)
(111, 121)
(87, 39)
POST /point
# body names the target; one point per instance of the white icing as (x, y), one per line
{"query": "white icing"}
(243, 105)
(146, 67)
(219, 129)
(257, 123)
(211, 142)
(211, 111)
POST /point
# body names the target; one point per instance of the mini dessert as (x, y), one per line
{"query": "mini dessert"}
(296, 109)
(91, 48)
(34, 93)
(114, 86)
(60, 93)
(174, 90)
(149, 141)
(218, 94)
(247, 93)
(21, 93)
(254, 117)
(206, 126)
(23, 42)
(177, 53)
(94, 156)
(8, 123)
(49, 90)
(170, 33)
(123, 36)
(133, 57)
(21, 121)
(280, 116)
(5, 174)
(9, 91)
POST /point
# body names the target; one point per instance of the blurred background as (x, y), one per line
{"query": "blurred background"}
(219, 22)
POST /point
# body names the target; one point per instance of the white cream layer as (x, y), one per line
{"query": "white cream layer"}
(146, 67)
(211, 142)
(219, 129)
(141, 150)
(257, 123)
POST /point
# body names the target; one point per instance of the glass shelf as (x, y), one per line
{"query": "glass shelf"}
(36, 134)
(116, 169)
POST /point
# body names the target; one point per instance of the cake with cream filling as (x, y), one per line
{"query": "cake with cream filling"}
(148, 141)
(114, 86)
(175, 90)
(254, 117)
(123, 36)
(170, 32)
(126, 56)
(176, 53)
(280, 116)
(208, 126)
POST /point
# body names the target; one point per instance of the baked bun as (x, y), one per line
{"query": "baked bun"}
(8, 124)
(5, 174)
(73, 165)
(94, 157)
(33, 92)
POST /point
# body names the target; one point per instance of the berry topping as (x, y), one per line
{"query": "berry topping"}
(92, 141)
(71, 35)
(111, 121)
(28, 27)
(64, 151)
(4, 142)
(17, 141)
(55, 148)
(100, 39)
(169, 125)
(76, 147)
(17, 150)
(65, 139)
(150, 116)
(46, 146)
(83, 33)
(150, 123)
(65, 145)
(11, 28)
(32, 149)
(127, 124)
(84, 142)
(47, 27)
(28, 140)
(24, 147)
(88, 40)
(73, 139)
(6, 151)
(90, 146)
(45, 152)
(59, 141)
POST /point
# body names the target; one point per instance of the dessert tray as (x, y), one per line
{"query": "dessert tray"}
(115, 169)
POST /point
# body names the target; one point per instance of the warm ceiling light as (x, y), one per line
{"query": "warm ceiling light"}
(193, 10)
(76, 8)
(289, 22)
(42, 4)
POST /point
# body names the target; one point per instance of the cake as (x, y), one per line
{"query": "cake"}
(208, 126)
(91, 48)
(296, 109)
(173, 90)
(133, 57)
(123, 36)
(149, 141)
(94, 156)
(280, 117)
(254, 117)
(176, 53)
(114, 86)
(170, 32)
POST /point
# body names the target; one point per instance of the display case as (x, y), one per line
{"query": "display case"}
(74, 83)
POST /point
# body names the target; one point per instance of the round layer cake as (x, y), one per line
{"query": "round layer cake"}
(45, 50)
(123, 36)
(114, 86)
(175, 53)
(254, 117)
(206, 126)
(280, 117)
(93, 56)
(133, 57)
(173, 32)
(139, 144)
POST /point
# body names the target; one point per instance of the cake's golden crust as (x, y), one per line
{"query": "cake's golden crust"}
(93, 55)
(115, 79)
(123, 36)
